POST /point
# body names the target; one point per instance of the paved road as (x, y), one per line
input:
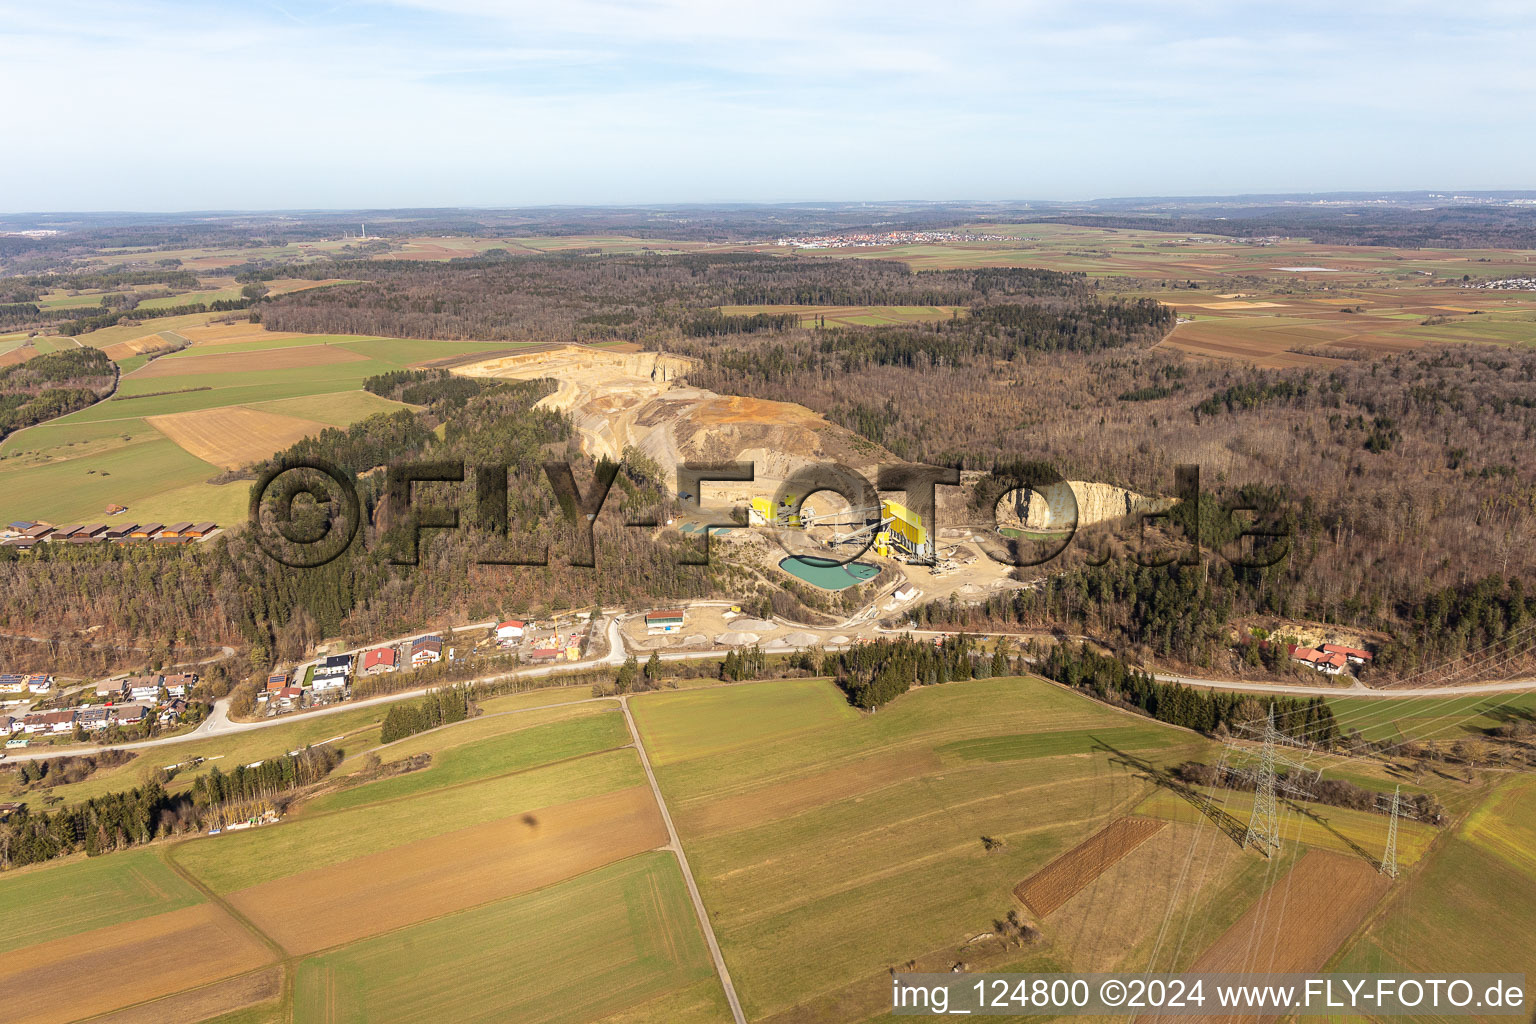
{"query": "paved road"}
(218, 722)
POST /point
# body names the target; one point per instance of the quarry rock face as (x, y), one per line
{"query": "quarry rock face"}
(1051, 508)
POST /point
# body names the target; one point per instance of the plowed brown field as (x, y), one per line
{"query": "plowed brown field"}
(333, 905)
(87, 974)
(1066, 876)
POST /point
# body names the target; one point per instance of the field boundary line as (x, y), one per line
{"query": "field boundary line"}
(676, 845)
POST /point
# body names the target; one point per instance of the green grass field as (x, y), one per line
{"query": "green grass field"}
(70, 468)
(59, 900)
(830, 844)
(623, 936)
(1471, 907)
(230, 863)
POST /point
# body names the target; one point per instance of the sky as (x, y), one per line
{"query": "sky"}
(156, 106)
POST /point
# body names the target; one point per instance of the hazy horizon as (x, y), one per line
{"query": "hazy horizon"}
(148, 105)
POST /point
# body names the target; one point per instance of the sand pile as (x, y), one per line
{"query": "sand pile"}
(736, 638)
(800, 638)
(761, 625)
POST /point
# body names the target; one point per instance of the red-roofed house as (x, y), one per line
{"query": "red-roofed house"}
(380, 659)
(1354, 655)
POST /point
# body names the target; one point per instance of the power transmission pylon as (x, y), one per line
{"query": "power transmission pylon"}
(1264, 824)
(1389, 858)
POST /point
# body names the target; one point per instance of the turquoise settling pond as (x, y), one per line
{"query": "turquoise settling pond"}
(826, 574)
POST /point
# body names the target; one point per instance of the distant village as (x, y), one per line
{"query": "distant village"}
(862, 239)
(1505, 284)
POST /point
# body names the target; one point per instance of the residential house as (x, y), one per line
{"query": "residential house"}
(111, 689)
(93, 719)
(380, 659)
(666, 621)
(425, 650)
(39, 683)
(173, 711)
(131, 714)
(180, 684)
(144, 687)
(49, 722)
(13, 684)
(1353, 655)
(289, 696)
(332, 672)
(9, 725)
(278, 680)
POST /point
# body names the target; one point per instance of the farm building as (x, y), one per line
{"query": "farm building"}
(144, 531)
(426, 649)
(543, 654)
(121, 531)
(24, 543)
(380, 659)
(1354, 655)
(665, 621)
(1330, 663)
(41, 531)
(116, 510)
(175, 531)
(510, 630)
(198, 531)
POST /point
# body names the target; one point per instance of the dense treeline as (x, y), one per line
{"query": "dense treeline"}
(640, 298)
(874, 674)
(85, 324)
(229, 591)
(1208, 711)
(116, 821)
(51, 385)
(427, 387)
(440, 707)
(713, 323)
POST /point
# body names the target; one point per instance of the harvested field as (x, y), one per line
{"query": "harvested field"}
(126, 963)
(1066, 876)
(18, 355)
(1301, 921)
(367, 895)
(226, 334)
(137, 347)
(234, 436)
(247, 362)
(201, 1004)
